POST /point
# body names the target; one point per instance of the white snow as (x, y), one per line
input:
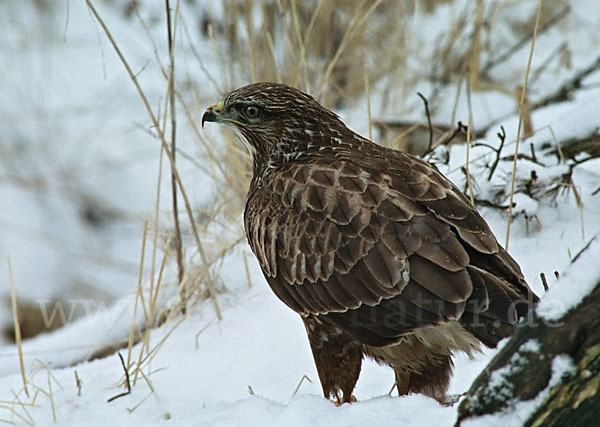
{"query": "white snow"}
(79, 164)
(532, 346)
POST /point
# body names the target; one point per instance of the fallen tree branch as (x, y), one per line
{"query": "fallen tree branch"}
(564, 92)
(550, 368)
(502, 58)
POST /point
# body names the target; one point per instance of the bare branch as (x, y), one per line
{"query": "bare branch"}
(127, 381)
(428, 121)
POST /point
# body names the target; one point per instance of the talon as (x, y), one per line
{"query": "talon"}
(339, 401)
(452, 399)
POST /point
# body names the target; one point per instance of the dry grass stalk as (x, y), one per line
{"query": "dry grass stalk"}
(368, 96)
(357, 22)
(154, 350)
(172, 113)
(578, 202)
(250, 30)
(138, 296)
(78, 383)
(137, 405)
(557, 145)
(15, 314)
(154, 319)
(304, 378)
(526, 112)
(247, 269)
(301, 42)
(154, 293)
(49, 378)
(476, 46)
(467, 162)
(32, 402)
(29, 420)
(169, 154)
(520, 124)
(155, 230)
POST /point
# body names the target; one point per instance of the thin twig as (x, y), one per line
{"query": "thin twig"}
(563, 92)
(127, 381)
(542, 67)
(532, 149)
(502, 137)
(489, 204)
(544, 281)
(78, 383)
(501, 58)
(428, 121)
(460, 127)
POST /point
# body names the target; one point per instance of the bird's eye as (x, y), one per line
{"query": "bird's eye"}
(252, 111)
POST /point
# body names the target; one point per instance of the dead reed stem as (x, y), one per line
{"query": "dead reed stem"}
(17, 325)
(155, 231)
(518, 139)
(50, 393)
(247, 269)
(476, 46)
(250, 30)
(368, 96)
(172, 113)
(132, 76)
(357, 21)
(467, 160)
(138, 297)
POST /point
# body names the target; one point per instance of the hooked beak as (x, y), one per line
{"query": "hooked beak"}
(213, 113)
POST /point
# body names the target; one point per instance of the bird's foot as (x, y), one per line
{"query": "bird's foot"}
(452, 399)
(340, 400)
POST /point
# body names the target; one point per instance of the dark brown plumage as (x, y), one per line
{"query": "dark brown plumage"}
(378, 252)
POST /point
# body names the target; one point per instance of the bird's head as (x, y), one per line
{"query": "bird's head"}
(274, 121)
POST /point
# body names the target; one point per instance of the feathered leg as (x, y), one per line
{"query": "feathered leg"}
(432, 380)
(338, 359)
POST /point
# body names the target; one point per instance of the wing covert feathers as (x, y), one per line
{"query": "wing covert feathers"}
(380, 245)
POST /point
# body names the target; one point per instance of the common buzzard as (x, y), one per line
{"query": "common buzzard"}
(380, 254)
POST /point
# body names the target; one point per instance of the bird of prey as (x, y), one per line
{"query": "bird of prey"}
(380, 254)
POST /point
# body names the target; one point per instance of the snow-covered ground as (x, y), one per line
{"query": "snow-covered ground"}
(79, 164)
